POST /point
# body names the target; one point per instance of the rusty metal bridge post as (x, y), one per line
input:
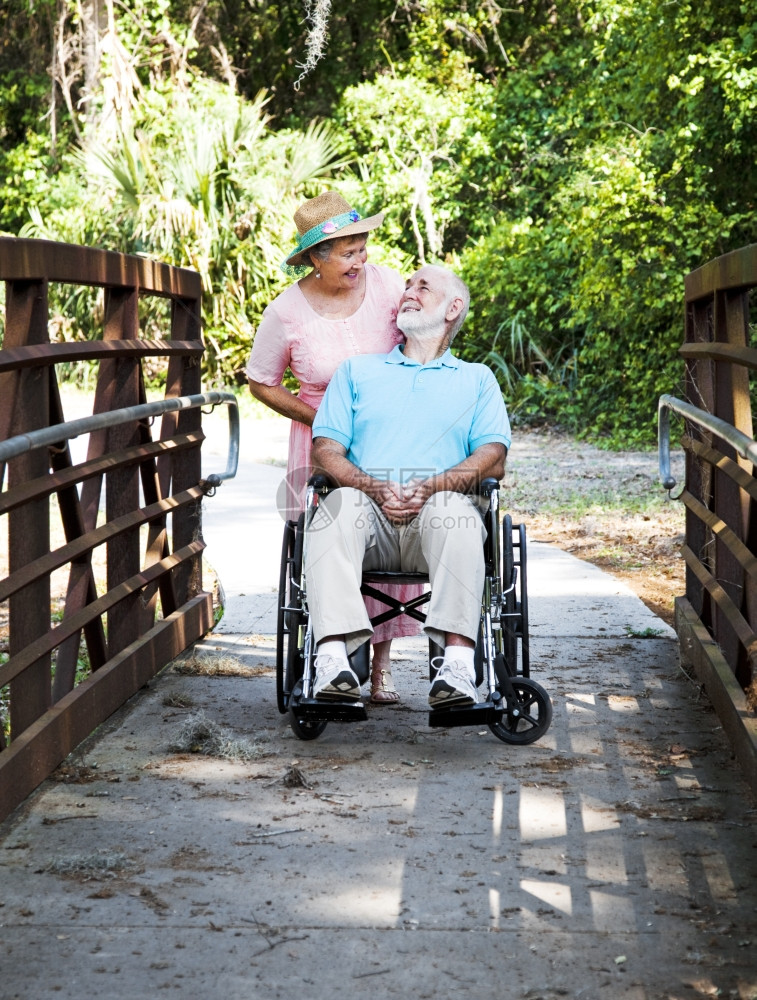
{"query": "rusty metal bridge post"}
(152, 604)
(717, 619)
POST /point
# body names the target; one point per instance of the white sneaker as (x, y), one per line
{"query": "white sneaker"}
(452, 686)
(335, 680)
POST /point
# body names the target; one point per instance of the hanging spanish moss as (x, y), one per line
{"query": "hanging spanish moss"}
(317, 18)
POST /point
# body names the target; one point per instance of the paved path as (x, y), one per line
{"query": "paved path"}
(614, 859)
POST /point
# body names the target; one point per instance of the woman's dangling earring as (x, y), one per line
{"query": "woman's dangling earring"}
(317, 274)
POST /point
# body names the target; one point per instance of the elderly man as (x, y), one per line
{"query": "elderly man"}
(407, 437)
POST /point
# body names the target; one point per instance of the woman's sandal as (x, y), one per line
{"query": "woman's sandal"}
(383, 691)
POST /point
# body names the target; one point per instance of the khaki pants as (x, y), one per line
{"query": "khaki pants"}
(349, 533)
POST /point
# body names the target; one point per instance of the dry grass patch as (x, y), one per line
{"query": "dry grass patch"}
(199, 734)
(176, 700)
(90, 865)
(209, 665)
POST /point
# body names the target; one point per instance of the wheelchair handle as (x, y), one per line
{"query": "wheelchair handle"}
(488, 486)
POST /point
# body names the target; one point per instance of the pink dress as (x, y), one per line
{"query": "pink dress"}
(293, 335)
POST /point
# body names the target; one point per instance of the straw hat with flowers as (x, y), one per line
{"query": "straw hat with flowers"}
(325, 217)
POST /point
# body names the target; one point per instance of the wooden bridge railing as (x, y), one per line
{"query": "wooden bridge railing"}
(717, 619)
(151, 604)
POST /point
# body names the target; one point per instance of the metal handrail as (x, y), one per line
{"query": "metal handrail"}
(47, 436)
(742, 444)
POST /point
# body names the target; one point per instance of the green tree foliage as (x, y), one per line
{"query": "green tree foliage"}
(614, 195)
(28, 141)
(263, 45)
(205, 185)
(410, 158)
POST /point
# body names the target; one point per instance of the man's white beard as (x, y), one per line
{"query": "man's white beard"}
(423, 326)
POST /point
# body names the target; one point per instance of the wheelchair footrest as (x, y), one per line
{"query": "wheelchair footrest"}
(311, 710)
(483, 714)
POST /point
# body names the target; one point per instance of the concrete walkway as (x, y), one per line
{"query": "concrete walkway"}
(613, 859)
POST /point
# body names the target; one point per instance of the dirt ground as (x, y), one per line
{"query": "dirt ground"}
(606, 507)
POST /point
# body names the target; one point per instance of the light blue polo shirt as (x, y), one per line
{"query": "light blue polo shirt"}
(401, 420)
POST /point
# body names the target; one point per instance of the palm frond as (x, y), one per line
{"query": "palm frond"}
(316, 152)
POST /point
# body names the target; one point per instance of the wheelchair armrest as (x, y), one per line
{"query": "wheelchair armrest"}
(487, 486)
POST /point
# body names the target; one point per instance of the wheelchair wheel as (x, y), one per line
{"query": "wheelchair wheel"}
(510, 628)
(525, 649)
(290, 617)
(534, 714)
(305, 730)
(282, 621)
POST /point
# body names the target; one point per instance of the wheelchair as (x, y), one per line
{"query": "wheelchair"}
(516, 708)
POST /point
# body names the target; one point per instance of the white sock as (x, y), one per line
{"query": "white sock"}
(463, 654)
(334, 647)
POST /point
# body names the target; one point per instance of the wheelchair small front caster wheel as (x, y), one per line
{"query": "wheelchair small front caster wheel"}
(527, 718)
(305, 729)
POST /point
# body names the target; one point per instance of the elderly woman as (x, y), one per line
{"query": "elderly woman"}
(339, 307)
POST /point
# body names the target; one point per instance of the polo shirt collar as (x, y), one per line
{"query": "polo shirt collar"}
(396, 357)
